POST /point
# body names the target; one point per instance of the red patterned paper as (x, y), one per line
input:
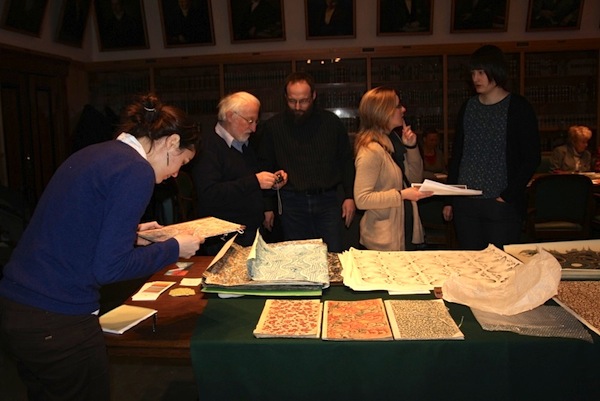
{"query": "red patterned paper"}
(356, 320)
(290, 318)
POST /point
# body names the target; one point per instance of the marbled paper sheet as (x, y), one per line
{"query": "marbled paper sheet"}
(293, 262)
(290, 319)
(421, 320)
(414, 272)
(356, 320)
(582, 299)
(204, 228)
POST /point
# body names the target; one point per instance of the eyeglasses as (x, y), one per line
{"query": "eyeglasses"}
(248, 120)
(301, 102)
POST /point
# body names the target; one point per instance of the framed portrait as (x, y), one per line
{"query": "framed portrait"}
(404, 18)
(24, 16)
(330, 19)
(187, 23)
(544, 15)
(256, 20)
(480, 16)
(73, 20)
(121, 24)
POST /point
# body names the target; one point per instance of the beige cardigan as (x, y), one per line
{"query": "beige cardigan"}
(376, 190)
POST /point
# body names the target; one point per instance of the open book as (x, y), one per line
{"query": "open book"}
(445, 189)
(204, 228)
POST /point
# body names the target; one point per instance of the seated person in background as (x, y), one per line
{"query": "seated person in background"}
(573, 156)
(434, 165)
(226, 174)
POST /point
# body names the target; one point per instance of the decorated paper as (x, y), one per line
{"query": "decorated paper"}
(200, 228)
(356, 320)
(421, 320)
(290, 319)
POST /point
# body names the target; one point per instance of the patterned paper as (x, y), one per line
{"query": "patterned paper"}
(582, 299)
(231, 269)
(201, 228)
(356, 320)
(290, 319)
(421, 320)
(288, 262)
(407, 271)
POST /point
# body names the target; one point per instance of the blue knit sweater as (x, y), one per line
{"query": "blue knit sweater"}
(82, 234)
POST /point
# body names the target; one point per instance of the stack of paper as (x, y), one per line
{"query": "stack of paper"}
(443, 189)
(293, 268)
(406, 272)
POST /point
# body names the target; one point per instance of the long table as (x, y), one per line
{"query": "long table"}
(230, 364)
(176, 318)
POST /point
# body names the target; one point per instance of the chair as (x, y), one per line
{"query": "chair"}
(560, 208)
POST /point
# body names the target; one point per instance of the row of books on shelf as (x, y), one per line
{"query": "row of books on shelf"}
(366, 320)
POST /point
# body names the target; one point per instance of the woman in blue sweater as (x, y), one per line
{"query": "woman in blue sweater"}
(82, 236)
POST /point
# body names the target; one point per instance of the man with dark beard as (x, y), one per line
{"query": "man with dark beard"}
(312, 146)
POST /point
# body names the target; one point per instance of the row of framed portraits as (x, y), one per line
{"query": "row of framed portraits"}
(122, 25)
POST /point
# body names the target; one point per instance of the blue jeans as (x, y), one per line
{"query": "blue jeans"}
(312, 216)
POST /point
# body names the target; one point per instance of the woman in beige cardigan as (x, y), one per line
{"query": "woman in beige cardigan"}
(378, 185)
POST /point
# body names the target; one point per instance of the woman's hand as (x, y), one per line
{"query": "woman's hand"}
(413, 194)
(188, 245)
(409, 138)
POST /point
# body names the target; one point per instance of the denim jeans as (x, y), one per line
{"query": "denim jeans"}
(309, 216)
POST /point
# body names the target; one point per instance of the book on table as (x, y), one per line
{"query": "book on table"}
(124, 317)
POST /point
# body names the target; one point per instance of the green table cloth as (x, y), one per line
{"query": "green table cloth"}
(231, 364)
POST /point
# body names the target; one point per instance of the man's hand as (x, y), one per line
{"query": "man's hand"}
(348, 211)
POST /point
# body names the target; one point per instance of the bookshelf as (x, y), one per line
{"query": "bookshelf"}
(563, 88)
(560, 78)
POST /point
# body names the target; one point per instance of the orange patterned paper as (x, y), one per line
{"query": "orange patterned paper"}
(356, 320)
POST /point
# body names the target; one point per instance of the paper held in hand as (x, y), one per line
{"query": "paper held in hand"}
(444, 189)
(203, 228)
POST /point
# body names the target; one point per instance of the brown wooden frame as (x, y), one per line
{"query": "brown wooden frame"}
(202, 17)
(73, 22)
(16, 18)
(385, 27)
(237, 14)
(536, 22)
(315, 30)
(136, 36)
(497, 22)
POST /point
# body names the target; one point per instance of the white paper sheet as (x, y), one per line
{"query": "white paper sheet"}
(444, 189)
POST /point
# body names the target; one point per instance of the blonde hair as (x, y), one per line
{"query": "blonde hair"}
(578, 132)
(375, 110)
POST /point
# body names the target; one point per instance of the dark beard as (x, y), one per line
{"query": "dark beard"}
(299, 118)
